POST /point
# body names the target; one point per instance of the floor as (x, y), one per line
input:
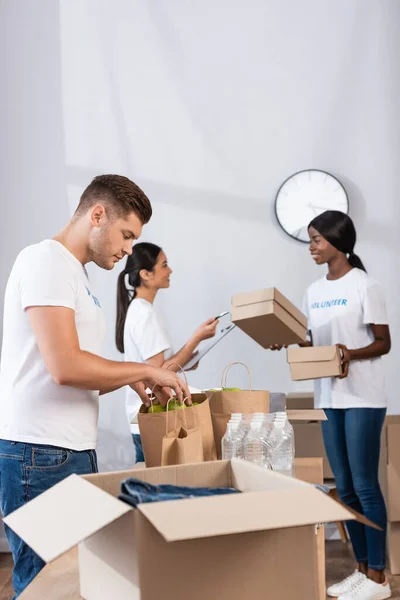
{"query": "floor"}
(338, 563)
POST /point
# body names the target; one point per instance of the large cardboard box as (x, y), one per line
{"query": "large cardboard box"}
(389, 476)
(269, 318)
(225, 547)
(311, 470)
(314, 362)
(300, 400)
(393, 547)
(308, 438)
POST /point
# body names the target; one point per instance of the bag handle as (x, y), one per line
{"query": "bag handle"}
(183, 403)
(225, 372)
(175, 364)
(158, 383)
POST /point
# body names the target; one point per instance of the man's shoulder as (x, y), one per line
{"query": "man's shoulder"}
(44, 253)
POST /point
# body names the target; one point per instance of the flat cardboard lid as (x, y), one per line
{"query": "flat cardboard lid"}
(64, 515)
(270, 294)
(312, 354)
(306, 414)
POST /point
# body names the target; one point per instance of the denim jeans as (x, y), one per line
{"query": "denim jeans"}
(352, 441)
(27, 470)
(138, 447)
(134, 492)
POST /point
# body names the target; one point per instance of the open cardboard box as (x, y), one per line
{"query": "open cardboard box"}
(314, 362)
(225, 547)
(269, 318)
(300, 400)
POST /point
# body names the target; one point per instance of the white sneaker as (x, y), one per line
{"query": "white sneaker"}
(346, 585)
(367, 589)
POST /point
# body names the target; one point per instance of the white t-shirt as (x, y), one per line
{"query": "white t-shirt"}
(341, 311)
(144, 337)
(33, 407)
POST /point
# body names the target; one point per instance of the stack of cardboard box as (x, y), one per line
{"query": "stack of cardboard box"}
(308, 433)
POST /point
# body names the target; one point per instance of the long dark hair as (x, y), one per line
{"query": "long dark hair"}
(338, 229)
(144, 256)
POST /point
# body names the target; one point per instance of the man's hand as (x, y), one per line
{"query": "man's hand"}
(164, 383)
(346, 358)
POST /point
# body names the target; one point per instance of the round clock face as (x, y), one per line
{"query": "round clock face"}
(304, 196)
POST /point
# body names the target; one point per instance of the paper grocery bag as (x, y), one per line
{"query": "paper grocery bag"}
(182, 446)
(152, 429)
(224, 403)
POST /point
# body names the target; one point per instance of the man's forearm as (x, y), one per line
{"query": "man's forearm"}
(91, 372)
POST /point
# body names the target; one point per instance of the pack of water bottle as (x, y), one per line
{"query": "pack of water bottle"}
(264, 439)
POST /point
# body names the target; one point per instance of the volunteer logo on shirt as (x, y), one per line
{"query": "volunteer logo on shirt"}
(329, 303)
(95, 300)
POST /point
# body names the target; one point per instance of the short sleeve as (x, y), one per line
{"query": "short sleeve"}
(148, 335)
(304, 306)
(374, 305)
(46, 279)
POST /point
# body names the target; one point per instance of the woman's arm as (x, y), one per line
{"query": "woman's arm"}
(185, 354)
(380, 346)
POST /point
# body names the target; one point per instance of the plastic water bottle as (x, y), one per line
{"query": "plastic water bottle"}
(255, 445)
(229, 441)
(281, 444)
(244, 428)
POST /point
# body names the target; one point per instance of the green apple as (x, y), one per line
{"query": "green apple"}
(196, 403)
(231, 389)
(155, 408)
(174, 405)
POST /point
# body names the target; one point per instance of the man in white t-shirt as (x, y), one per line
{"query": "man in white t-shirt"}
(51, 373)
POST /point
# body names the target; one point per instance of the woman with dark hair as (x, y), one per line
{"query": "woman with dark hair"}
(139, 332)
(347, 308)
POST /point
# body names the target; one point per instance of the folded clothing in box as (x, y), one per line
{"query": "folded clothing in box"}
(135, 491)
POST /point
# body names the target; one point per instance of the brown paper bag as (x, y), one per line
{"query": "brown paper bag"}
(152, 429)
(181, 445)
(223, 404)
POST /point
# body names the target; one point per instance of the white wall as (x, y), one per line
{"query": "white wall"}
(209, 107)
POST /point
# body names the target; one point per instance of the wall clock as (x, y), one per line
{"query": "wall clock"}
(305, 195)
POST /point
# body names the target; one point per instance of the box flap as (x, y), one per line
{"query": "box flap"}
(306, 414)
(195, 518)
(311, 354)
(64, 515)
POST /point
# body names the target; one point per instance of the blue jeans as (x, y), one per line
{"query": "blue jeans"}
(138, 447)
(135, 491)
(352, 441)
(27, 470)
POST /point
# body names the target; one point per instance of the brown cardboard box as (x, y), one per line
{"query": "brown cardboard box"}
(309, 442)
(393, 471)
(389, 476)
(224, 547)
(302, 400)
(311, 470)
(314, 362)
(393, 547)
(269, 318)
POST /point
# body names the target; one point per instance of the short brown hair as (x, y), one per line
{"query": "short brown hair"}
(120, 193)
